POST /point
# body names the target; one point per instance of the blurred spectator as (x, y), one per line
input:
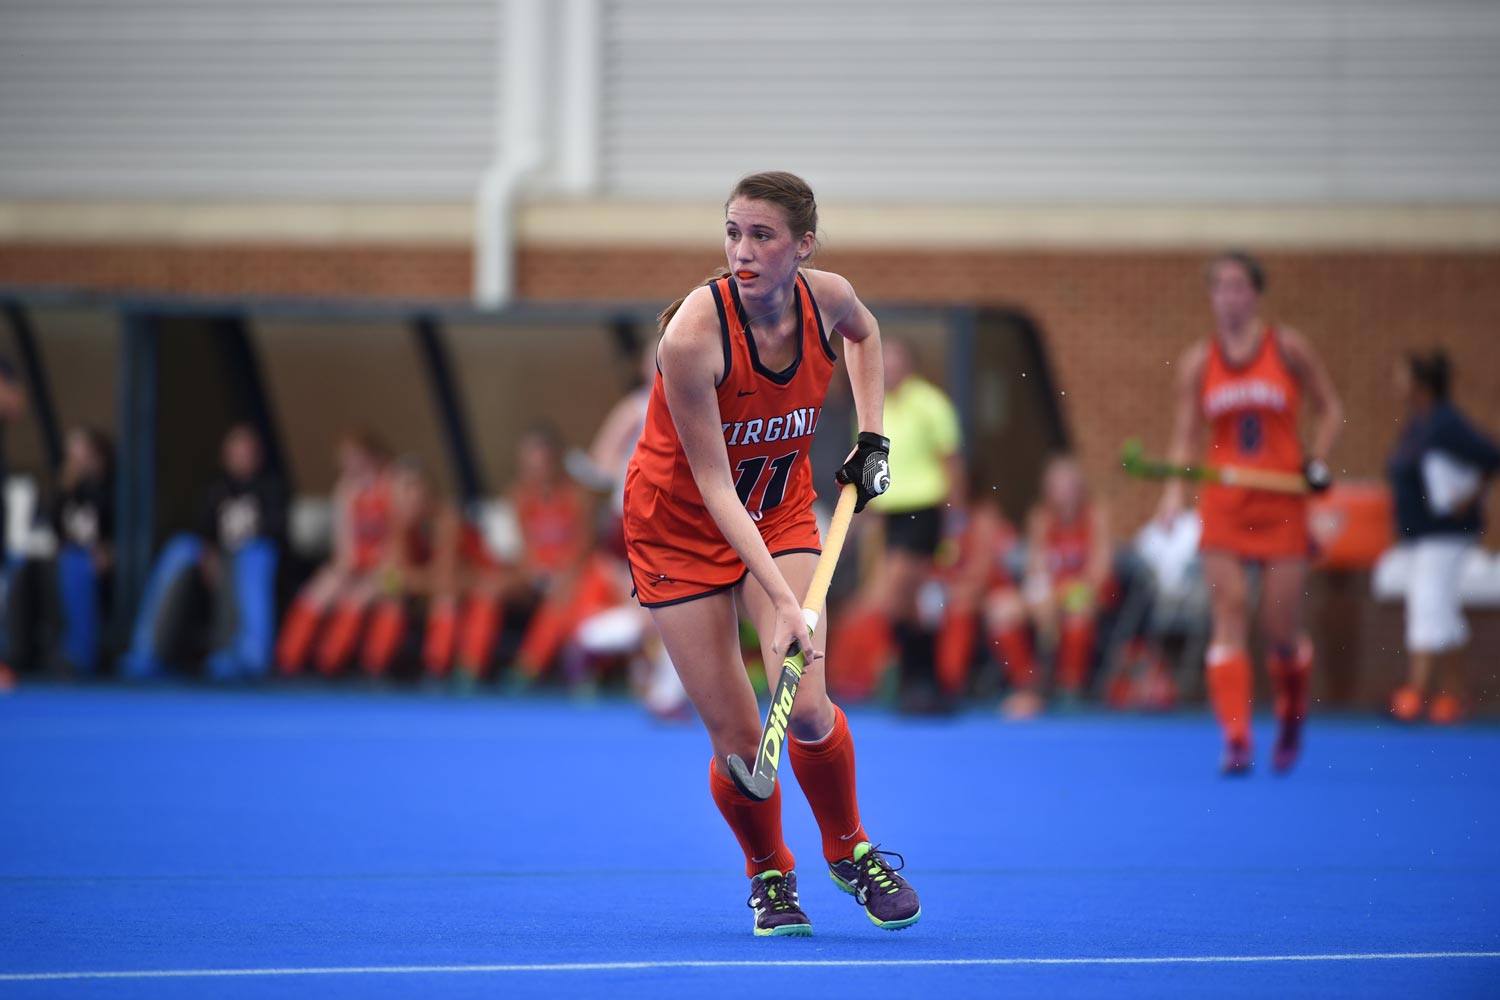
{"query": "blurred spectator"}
(232, 557)
(1069, 572)
(436, 556)
(560, 573)
(346, 586)
(1437, 471)
(626, 628)
(981, 595)
(12, 407)
(927, 485)
(75, 584)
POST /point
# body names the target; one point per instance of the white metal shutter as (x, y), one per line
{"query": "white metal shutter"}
(327, 99)
(1058, 100)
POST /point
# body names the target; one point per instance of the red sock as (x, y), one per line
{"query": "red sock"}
(442, 632)
(544, 637)
(383, 637)
(756, 825)
(480, 628)
(1229, 683)
(1074, 648)
(825, 770)
(955, 650)
(1290, 675)
(340, 638)
(296, 636)
(1020, 663)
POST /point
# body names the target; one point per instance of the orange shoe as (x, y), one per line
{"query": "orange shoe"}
(1406, 704)
(1446, 710)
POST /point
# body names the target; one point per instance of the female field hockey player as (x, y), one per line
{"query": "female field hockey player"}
(718, 510)
(1245, 385)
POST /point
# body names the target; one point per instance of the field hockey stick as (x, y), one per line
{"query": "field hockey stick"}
(1136, 464)
(761, 782)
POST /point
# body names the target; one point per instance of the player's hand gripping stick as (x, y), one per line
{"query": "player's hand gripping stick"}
(759, 783)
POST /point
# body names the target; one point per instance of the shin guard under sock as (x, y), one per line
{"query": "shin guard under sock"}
(1229, 688)
(955, 650)
(478, 633)
(1075, 647)
(441, 637)
(825, 770)
(1020, 661)
(756, 825)
(383, 637)
(1291, 672)
(340, 638)
(297, 636)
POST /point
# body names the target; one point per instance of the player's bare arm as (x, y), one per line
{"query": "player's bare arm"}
(846, 315)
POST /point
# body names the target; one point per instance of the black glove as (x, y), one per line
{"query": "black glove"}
(868, 468)
(1317, 475)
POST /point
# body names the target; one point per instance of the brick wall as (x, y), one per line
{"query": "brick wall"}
(1115, 320)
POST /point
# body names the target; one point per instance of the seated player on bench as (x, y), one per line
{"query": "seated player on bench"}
(347, 584)
(436, 556)
(1069, 571)
(560, 573)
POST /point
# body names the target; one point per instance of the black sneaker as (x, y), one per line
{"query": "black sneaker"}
(773, 897)
(889, 901)
(1288, 746)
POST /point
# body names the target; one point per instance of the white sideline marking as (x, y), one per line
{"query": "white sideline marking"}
(416, 970)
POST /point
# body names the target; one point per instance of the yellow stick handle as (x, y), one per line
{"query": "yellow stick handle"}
(838, 528)
(1262, 479)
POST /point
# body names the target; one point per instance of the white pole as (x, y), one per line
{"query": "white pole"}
(579, 88)
(520, 146)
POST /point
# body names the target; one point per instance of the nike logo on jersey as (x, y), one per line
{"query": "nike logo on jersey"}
(749, 392)
(797, 423)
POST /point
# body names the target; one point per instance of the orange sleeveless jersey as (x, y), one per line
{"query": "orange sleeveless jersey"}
(1067, 547)
(370, 511)
(554, 526)
(676, 551)
(1252, 417)
(470, 549)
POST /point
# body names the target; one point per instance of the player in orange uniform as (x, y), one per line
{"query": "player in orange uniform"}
(981, 594)
(718, 509)
(560, 571)
(347, 584)
(1069, 569)
(437, 555)
(1245, 386)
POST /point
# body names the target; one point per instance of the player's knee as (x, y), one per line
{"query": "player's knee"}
(812, 718)
(1006, 611)
(1223, 652)
(1282, 644)
(734, 736)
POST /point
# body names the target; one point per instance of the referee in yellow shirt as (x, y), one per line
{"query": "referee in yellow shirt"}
(928, 487)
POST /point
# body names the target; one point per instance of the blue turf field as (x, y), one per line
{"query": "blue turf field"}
(380, 839)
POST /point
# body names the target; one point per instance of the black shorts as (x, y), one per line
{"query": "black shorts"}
(917, 531)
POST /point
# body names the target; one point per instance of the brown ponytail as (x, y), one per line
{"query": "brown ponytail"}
(665, 316)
